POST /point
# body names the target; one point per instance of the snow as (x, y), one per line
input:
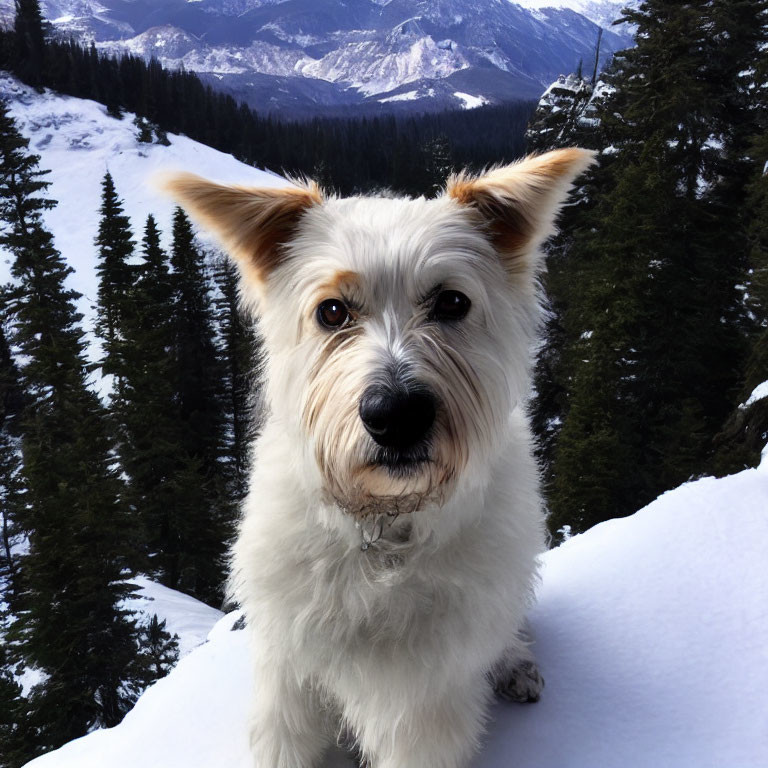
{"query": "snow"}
(469, 101)
(78, 142)
(758, 393)
(187, 618)
(651, 633)
(601, 12)
(407, 96)
(184, 616)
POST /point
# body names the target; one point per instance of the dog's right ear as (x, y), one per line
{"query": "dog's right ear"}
(253, 223)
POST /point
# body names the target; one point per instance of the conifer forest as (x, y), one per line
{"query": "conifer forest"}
(656, 329)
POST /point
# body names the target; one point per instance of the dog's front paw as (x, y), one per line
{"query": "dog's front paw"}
(521, 683)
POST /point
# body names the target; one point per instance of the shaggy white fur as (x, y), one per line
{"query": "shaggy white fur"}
(386, 600)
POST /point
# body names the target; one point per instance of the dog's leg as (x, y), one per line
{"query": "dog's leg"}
(516, 676)
(288, 728)
(439, 732)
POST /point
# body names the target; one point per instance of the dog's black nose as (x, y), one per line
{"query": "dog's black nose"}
(397, 418)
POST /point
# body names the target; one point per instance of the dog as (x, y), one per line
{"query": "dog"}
(387, 554)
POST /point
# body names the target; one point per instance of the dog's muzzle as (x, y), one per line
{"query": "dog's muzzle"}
(397, 419)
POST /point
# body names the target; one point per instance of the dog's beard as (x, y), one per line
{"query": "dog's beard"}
(383, 483)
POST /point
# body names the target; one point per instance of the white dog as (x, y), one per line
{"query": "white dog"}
(388, 550)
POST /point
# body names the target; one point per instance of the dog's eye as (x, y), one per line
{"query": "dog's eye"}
(451, 305)
(332, 313)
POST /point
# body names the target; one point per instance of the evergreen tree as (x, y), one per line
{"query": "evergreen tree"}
(11, 403)
(656, 332)
(14, 736)
(240, 353)
(567, 115)
(202, 517)
(115, 244)
(158, 651)
(29, 43)
(437, 163)
(745, 433)
(68, 620)
(147, 412)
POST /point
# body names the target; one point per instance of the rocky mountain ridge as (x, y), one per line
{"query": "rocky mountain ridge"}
(305, 56)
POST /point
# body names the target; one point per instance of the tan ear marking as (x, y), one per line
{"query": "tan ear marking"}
(519, 202)
(251, 222)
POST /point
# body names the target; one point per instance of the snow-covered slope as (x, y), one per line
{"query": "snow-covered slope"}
(78, 142)
(183, 615)
(651, 633)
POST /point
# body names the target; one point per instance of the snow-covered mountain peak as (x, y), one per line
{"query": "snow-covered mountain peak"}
(602, 12)
(334, 53)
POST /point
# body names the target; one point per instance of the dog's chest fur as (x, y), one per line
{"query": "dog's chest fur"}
(332, 605)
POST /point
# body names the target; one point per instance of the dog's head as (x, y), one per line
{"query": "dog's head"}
(397, 331)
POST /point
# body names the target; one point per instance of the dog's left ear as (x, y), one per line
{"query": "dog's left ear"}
(518, 203)
(252, 223)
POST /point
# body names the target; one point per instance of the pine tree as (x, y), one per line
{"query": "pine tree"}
(240, 353)
(567, 115)
(437, 163)
(29, 43)
(144, 135)
(657, 329)
(11, 405)
(745, 433)
(203, 512)
(115, 244)
(69, 623)
(147, 412)
(158, 651)
(15, 736)
(13, 733)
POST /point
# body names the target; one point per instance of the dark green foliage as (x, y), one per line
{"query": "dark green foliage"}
(565, 117)
(15, 733)
(240, 350)
(115, 244)
(72, 629)
(438, 163)
(29, 52)
(11, 405)
(144, 129)
(158, 651)
(655, 324)
(198, 372)
(199, 523)
(177, 448)
(146, 414)
(745, 433)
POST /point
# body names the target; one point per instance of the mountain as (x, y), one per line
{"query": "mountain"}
(602, 12)
(649, 631)
(302, 56)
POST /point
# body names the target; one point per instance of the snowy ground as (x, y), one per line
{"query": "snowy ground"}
(184, 616)
(651, 632)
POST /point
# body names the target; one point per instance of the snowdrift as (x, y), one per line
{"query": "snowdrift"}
(651, 633)
(184, 616)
